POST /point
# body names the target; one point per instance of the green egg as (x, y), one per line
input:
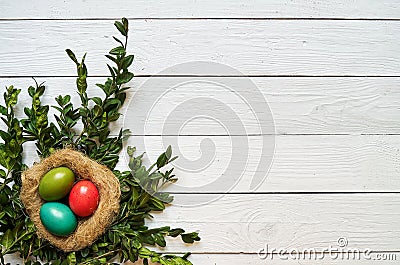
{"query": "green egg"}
(56, 183)
(58, 218)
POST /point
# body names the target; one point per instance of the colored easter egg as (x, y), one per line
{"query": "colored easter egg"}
(84, 198)
(56, 183)
(58, 218)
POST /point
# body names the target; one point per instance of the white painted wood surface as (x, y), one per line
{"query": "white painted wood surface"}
(331, 85)
(253, 259)
(322, 163)
(287, 221)
(306, 105)
(253, 47)
(385, 9)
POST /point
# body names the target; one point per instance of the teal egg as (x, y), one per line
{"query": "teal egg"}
(58, 218)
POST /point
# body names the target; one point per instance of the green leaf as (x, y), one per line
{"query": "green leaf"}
(112, 104)
(117, 51)
(125, 23)
(145, 253)
(127, 61)
(72, 56)
(3, 110)
(136, 243)
(111, 71)
(5, 136)
(97, 111)
(159, 240)
(120, 28)
(97, 100)
(176, 232)
(40, 90)
(156, 176)
(66, 99)
(124, 78)
(7, 239)
(190, 237)
(141, 173)
(118, 40)
(159, 205)
(111, 58)
(162, 160)
(12, 97)
(168, 152)
(31, 91)
(131, 150)
(71, 258)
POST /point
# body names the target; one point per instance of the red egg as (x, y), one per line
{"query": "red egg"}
(84, 198)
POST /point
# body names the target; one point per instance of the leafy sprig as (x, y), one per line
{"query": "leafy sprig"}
(128, 237)
(36, 125)
(95, 139)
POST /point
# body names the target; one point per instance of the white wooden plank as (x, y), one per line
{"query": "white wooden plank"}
(202, 9)
(237, 106)
(253, 47)
(320, 163)
(236, 223)
(298, 105)
(300, 163)
(253, 259)
(243, 259)
(246, 223)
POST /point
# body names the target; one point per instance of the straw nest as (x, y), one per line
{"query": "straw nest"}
(88, 229)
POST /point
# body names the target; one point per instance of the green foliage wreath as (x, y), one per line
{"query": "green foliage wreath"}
(128, 237)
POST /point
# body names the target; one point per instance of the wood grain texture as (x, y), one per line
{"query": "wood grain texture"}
(298, 105)
(201, 9)
(253, 47)
(300, 163)
(243, 259)
(245, 223)
(253, 259)
(336, 158)
(314, 163)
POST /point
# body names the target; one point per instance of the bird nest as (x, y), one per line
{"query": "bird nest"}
(88, 229)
